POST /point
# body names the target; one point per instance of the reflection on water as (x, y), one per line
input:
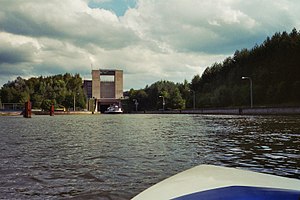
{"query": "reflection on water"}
(116, 157)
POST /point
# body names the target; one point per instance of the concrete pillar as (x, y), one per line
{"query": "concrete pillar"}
(52, 110)
(96, 84)
(27, 111)
(118, 84)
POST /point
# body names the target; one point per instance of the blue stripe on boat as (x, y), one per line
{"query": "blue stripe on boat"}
(243, 192)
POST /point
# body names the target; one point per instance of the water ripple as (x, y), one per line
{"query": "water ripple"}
(116, 157)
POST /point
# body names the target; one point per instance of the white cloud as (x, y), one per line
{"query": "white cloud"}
(188, 25)
(170, 39)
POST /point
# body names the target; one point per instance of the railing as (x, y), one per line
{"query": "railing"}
(11, 106)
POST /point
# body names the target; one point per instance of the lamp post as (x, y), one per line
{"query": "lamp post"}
(163, 103)
(194, 100)
(74, 102)
(251, 93)
(136, 104)
(74, 99)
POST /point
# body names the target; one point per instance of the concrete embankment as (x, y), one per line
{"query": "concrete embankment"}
(10, 113)
(16, 113)
(271, 111)
(62, 113)
(232, 111)
(218, 111)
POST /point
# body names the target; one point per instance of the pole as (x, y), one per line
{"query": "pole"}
(74, 106)
(251, 93)
(27, 111)
(52, 110)
(194, 100)
(136, 104)
(163, 103)
(74, 103)
(251, 89)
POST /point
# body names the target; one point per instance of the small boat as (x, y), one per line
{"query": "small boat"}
(114, 109)
(210, 182)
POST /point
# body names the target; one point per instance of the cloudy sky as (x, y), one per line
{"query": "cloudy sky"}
(149, 40)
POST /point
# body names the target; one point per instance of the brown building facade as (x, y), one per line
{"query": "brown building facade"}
(105, 92)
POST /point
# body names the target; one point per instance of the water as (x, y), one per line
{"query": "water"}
(118, 156)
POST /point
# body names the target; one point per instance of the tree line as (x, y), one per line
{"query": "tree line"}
(160, 95)
(273, 66)
(59, 90)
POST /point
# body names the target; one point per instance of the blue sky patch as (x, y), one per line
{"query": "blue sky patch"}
(117, 6)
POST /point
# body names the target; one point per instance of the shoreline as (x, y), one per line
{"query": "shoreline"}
(212, 111)
(231, 111)
(19, 113)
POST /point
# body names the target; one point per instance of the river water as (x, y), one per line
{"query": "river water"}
(118, 156)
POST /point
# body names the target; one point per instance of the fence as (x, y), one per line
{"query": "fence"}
(11, 106)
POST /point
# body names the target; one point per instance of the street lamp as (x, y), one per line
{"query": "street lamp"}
(74, 99)
(194, 99)
(251, 94)
(136, 104)
(163, 103)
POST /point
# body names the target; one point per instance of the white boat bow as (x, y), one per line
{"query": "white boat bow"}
(210, 182)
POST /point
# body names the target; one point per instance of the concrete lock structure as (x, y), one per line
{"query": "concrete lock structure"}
(105, 89)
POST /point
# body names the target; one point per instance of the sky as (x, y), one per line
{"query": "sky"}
(150, 40)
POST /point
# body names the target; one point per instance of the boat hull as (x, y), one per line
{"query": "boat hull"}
(112, 112)
(114, 109)
(212, 182)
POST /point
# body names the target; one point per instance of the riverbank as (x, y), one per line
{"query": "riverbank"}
(231, 111)
(10, 113)
(16, 113)
(63, 113)
(212, 111)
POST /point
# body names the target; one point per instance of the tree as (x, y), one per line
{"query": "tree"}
(149, 97)
(273, 66)
(46, 104)
(59, 89)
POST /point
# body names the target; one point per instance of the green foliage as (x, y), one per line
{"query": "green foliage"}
(43, 91)
(169, 91)
(274, 67)
(46, 104)
(149, 98)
